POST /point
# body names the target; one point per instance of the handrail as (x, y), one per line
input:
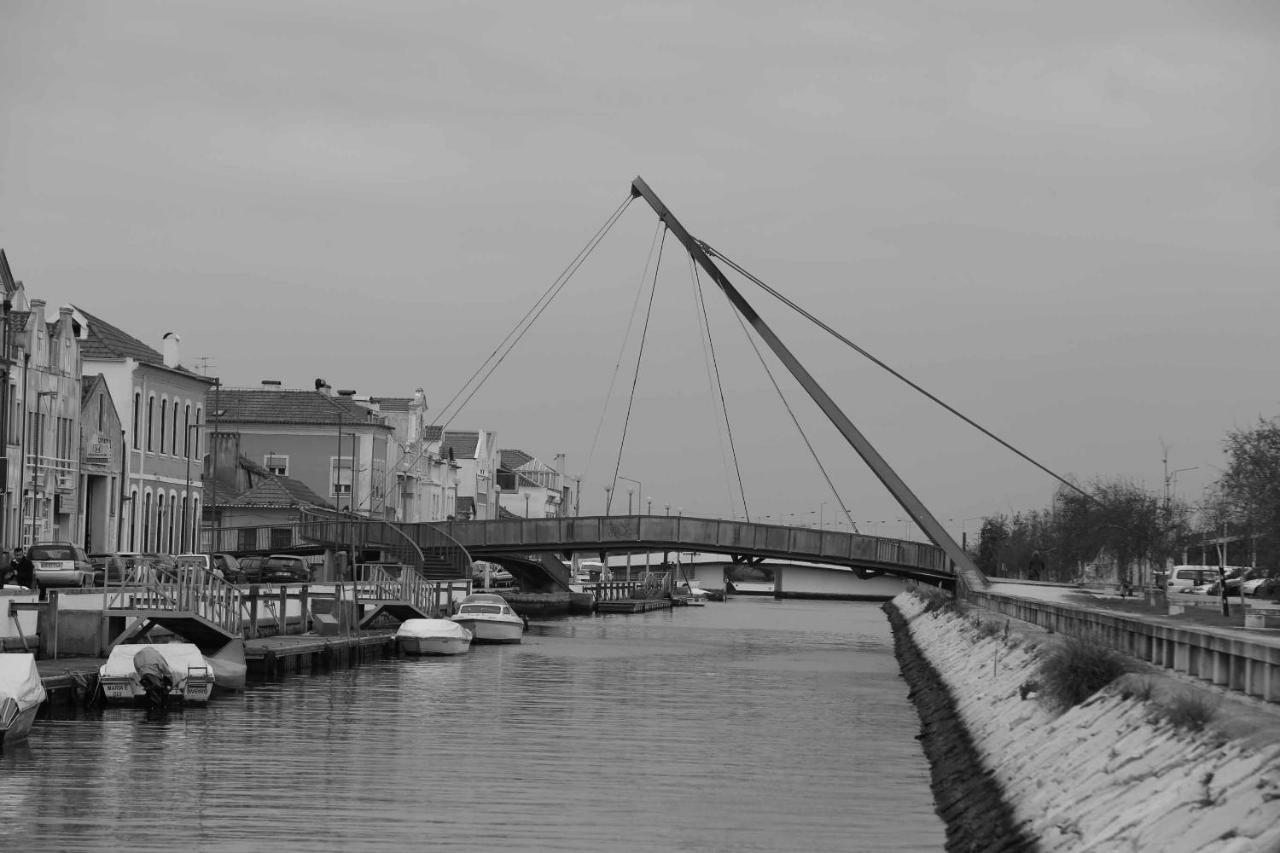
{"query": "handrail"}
(191, 589)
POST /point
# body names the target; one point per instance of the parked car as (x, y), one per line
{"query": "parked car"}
(108, 568)
(249, 570)
(1255, 578)
(1186, 578)
(285, 568)
(61, 564)
(227, 564)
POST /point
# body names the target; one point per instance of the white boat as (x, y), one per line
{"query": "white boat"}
(695, 595)
(21, 693)
(433, 637)
(125, 676)
(489, 618)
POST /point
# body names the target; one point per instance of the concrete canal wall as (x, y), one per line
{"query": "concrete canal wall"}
(1109, 774)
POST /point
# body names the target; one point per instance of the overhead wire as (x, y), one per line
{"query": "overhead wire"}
(835, 492)
(535, 311)
(703, 333)
(710, 250)
(720, 386)
(626, 337)
(635, 378)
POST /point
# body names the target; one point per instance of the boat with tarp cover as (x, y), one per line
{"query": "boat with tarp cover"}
(21, 692)
(432, 637)
(155, 674)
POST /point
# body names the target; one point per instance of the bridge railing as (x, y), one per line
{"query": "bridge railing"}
(376, 582)
(708, 534)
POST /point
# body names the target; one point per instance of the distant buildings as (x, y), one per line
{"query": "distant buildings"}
(114, 445)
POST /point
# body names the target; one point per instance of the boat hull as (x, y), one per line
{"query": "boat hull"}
(19, 727)
(434, 645)
(492, 630)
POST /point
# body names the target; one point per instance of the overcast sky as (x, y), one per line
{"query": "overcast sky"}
(1059, 217)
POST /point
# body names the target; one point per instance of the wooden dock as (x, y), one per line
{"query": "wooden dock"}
(633, 605)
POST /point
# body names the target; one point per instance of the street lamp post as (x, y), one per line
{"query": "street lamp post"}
(639, 490)
(648, 510)
(608, 498)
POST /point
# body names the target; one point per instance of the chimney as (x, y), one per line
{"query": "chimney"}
(346, 392)
(271, 383)
(171, 341)
(324, 388)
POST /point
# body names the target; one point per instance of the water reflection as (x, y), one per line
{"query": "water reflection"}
(748, 725)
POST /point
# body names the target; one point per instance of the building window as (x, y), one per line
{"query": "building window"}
(159, 546)
(197, 441)
(137, 416)
(186, 431)
(173, 439)
(133, 520)
(164, 415)
(100, 415)
(281, 537)
(339, 477)
(247, 538)
(151, 422)
(146, 522)
(276, 464)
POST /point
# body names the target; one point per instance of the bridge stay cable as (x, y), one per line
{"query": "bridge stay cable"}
(724, 406)
(711, 381)
(635, 377)
(965, 568)
(795, 420)
(658, 233)
(526, 322)
(711, 251)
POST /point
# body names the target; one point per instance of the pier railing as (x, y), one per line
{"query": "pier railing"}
(378, 582)
(191, 590)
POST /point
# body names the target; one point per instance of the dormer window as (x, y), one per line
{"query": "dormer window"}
(276, 464)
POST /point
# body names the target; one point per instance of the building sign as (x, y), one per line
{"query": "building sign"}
(99, 450)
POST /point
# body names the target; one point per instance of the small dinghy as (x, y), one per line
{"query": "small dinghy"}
(432, 637)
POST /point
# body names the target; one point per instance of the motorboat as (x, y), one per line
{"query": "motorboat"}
(433, 637)
(21, 692)
(155, 674)
(692, 592)
(489, 618)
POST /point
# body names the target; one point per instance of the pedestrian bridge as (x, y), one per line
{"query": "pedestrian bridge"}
(741, 541)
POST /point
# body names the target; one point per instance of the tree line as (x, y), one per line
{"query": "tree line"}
(1120, 524)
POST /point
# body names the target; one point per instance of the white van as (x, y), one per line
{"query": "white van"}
(1186, 578)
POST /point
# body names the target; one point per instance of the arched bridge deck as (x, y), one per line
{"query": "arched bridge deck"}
(740, 540)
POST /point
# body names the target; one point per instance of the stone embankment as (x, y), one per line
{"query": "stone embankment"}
(1110, 774)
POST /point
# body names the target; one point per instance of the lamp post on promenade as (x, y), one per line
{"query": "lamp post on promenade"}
(639, 489)
(193, 446)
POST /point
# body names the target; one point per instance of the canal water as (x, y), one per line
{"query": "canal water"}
(747, 725)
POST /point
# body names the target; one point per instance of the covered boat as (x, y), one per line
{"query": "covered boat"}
(432, 637)
(489, 618)
(21, 693)
(156, 673)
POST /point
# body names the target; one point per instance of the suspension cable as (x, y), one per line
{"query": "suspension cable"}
(635, 378)
(719, 385)
(530, 316)
(839, 500)
(711, 383)
(881, 364)
(626, 337)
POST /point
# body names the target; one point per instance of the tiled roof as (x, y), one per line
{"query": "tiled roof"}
(392, 404)
(463, 444)
(268, 489)
(279, 406)
(104, 340)
(513, 459)
(432, 433)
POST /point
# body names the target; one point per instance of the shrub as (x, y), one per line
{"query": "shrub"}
(1191, 710)
(1075, 669)
(1137, 688)
(936, 599)
(987, 629)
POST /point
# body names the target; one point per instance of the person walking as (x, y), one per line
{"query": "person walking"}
(24, 569)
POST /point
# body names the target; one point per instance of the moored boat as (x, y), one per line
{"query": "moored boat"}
(433, 637)
(155, 674)
(489, 618)
(21, 693)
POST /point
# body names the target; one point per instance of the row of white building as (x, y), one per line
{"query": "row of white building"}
(115, 445)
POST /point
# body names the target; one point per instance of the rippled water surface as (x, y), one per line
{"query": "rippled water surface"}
(740, 726)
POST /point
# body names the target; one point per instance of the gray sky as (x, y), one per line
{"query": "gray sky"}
(1061, 218)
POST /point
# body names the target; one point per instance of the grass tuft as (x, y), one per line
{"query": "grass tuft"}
(1075, 669)
(1191, 710)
